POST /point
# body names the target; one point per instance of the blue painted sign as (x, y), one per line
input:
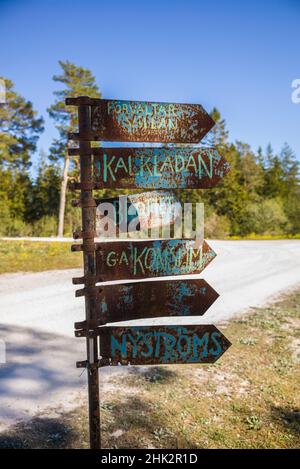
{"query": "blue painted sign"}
(160, 345)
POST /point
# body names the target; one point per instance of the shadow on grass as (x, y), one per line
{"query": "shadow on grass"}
(132, 422)
(38, 433)
(145, 421)
(140, 425)
(155, 374)
(288, 418)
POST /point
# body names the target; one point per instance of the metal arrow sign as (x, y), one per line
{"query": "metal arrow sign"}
(158, 168)
(143, 121)
(119, 260)
(128, 301)
(160, 345)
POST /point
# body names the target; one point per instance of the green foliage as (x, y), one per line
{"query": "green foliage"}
(76, 81)
(266, 217)
(19, 130)
(219, 132)
(44, 196)
(292, 210)
(216, 226)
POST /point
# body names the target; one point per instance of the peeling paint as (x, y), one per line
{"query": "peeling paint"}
(142, 121)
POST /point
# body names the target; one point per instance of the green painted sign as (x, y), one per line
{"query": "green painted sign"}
(118, 260)
(158, 168)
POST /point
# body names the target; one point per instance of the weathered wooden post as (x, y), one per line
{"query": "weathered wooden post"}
(88, 207)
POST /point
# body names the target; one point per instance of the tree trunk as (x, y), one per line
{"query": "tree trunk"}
(62, 202)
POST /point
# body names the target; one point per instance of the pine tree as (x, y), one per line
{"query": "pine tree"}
(44, 200)
(77, 81)
(290, 167)
(19, 130)
(260, 158)
(274, 175)
(291, 187)
(251, 173)
(20, 127)
(219, 134)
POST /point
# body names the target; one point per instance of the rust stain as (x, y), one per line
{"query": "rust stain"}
(144, 121)
(128, 301)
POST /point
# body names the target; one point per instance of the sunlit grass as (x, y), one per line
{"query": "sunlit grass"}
(36, 256)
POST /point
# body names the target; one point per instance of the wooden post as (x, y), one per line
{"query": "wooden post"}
(88, 226)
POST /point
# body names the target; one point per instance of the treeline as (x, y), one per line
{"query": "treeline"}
(260, 195)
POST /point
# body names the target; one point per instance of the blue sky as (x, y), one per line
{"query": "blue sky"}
(240, 56)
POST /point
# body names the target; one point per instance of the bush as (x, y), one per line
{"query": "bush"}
(46, 226)
(17, 227)
(216, 226)
(72, 221)
(266, 217)
(5, 218)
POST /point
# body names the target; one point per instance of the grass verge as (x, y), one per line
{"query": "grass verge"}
(36, 256)
(248, 399)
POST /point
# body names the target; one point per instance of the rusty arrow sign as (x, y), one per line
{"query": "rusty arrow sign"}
(128, 301)
(153, 345)
(158, 168)
(136, 212)
(119, 260)
(143, 121)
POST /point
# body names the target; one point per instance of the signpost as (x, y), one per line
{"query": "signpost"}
(143, 168)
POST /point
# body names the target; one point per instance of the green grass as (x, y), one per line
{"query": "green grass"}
(248, 399)
(36, 256)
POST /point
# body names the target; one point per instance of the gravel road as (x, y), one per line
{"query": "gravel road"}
(38, 311)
